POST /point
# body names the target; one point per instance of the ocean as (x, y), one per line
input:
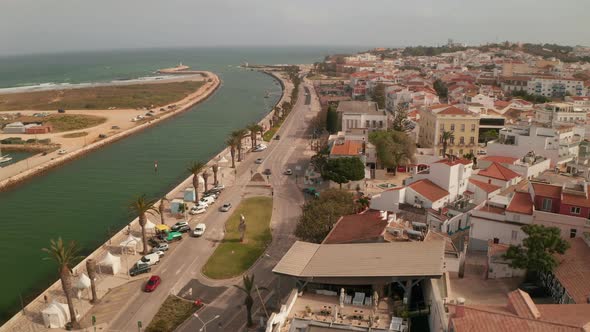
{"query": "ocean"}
(86, 199)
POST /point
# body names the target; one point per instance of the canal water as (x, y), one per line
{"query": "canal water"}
(16, 157)
(86, 199)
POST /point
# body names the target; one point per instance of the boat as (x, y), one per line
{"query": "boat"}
(267, 94)
(4, 158)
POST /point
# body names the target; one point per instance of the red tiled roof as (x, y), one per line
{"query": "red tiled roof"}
(573, 270)
(364, 227)
(522, 305)
(429, 190)
(497, 171)
(500, 159)
(454, 111)
(455, 162)
(482, 319)
(349, 148)
(501, 103)
(576, 200)
(574, 314)
(487, 187)
(521, 203)
(547, 190)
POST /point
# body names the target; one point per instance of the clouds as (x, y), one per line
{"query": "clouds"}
(53, 25)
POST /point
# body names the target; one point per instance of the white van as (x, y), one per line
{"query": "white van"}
(149, 259)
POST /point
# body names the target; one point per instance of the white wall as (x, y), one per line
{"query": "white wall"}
(388, 200)
(483, 230)
(563, 222)
(435, 293)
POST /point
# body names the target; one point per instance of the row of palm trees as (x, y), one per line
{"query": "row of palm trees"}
(234, 140)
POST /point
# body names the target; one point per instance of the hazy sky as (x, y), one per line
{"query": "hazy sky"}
(28, 26)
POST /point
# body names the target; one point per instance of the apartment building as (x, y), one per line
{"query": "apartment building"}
(436, 119)
(553, 113)
(361, 115)
(555, 87)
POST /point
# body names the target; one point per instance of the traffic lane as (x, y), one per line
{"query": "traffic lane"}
(307, 95)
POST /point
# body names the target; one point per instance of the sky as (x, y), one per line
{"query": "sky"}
(37, 26)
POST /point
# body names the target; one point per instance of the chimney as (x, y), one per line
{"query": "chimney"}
(460, 307)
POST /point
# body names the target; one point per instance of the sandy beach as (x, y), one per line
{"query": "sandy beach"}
(118, 124)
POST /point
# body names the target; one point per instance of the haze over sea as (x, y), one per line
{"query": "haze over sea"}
(86, 199)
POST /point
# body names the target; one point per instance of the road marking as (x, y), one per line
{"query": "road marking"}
(163, 270)
(180, 269)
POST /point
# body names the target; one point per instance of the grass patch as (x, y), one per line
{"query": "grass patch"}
(67, 122)
(103, 97)
(232, 258)
(74, 135)
(268, 135)
(172, 313)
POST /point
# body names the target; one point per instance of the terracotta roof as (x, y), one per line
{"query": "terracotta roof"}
(521, 203)
(364, 227)
(501, 103)
(522, 305)
(576, 200)
(574, 314)
(429, 190)
(487, 187)
(500, 159)
(573, 270)
(482, 319)
(349, 148)
(497, 171)
(547, 190)
(454, 111)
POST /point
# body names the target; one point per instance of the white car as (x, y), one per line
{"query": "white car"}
(62, 151)
(260, 147)
(160, 253)
(202, 205)
(197, 210)
(207, 200)
(258, 161)
(199, 230)
(219, 187)
(160, 247)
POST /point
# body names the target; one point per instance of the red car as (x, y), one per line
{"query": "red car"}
(152, 284)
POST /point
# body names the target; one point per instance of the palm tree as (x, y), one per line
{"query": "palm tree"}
(65, 256)
(161, 208)
(205, 176)
(445, 137)
(195, 168)
(215, 169)
(140, 206)
(231, 141)
(91, 268)
(249, 286)
(238, 136)
(254, 129)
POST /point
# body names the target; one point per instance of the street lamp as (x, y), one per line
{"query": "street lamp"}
(204, 328)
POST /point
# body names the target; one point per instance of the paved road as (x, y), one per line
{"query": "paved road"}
(180, 271)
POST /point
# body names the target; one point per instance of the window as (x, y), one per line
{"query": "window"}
(368, 124)
(461, 140)
(452, 140)
(472, 128)
(380, 123)
(575, 210)
(461, 152)
(546, 204)
(471, 140)
(573, 232)
(374, 124)
(496, 240)
(452, 126)
(462, 127)
(471, 150)
(514, 235)
(442, 126)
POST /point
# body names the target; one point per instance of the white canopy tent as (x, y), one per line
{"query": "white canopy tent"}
(130, 244)
(150, 226)
(111, 261)
(56, 315)
(82, 283)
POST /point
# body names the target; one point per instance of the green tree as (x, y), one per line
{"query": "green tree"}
(399, 117)
(537, 251)
(65, 256)
(441, 88)
(254, 129)
(445, 138)
(394, 148)
(332, 124)
(378, 95)
(344, 170)
(319, 215)
(195, 168)
(140, 207)
(161, 208)
(238, 135)
(489, 135)
(248, 289)
(232, 142)
(215, 169)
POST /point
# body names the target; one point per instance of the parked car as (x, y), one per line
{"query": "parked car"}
(267, 171)
(160, 247)
(225, 207)
(102, 136)
(258, 161)
(202, 205)
(218, 187)
(138, 269)
(278, 137)
(214, 194)
(197, 210)
(181, 229)
(149, 259)
(288, 172)
(259, 148)
(174, 236)
(199, 230)
(207, 200)
(178, 225)
(61, 110)
(153, 241)
(62, 151)
(159, 253)
(152, 284)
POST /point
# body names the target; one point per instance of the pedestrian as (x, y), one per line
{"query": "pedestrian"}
(45, 298)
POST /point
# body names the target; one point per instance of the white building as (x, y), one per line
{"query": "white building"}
(559, 144)
(361, 115)
(555, 87)
(581, 103)
(553, 113)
